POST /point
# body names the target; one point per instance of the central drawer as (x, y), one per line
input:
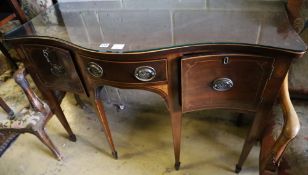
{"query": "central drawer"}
(231, 81)
(126, 72)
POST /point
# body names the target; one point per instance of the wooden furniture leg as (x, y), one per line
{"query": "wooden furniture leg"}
(8, 57)
(252, 137)
(176, 122)
(41, 134)
(6, 108)
(79, 102)
(41, 109)
(291, 126)
(18, 11)
(289, 131)
(97, 102)
(294, 8)
(175, 110)
(54, 104)
(56, 108)
(35, 102)
(20, 15)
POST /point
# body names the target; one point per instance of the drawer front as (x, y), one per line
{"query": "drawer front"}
(224, 81)
(54, 67)
(103, 71)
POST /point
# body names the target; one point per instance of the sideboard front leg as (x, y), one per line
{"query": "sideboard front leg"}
(174, 107)
(176, 122)
(97, 102)
(252, 137)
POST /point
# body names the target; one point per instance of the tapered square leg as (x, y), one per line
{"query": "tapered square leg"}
(97, 102)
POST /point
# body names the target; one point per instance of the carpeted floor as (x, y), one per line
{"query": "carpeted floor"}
(6, 139)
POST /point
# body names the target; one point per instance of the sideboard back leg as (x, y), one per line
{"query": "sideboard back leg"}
(56, 108)
(79, 102)
(53, 103)
(97, 102)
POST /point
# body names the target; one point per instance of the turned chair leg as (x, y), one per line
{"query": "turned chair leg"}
(6, 108)
(97, 102)
(37, 106)
(36, 103)
(41, 134)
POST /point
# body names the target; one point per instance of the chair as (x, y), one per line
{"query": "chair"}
(11, 10)
(294, 12)
(297, 74)
(30, 121)
(270, 157)
(14, 12)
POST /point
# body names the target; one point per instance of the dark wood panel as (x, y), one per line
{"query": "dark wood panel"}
(248, 74)
(54, 67)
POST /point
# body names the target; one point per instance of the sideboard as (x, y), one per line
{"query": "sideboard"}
(194, 58)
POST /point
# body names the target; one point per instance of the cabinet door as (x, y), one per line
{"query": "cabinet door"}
(231, 81)
(54, 67)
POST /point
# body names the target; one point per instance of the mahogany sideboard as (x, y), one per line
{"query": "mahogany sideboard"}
(195, 58)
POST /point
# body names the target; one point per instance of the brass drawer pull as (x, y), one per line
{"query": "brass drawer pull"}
(145, 73)
(222, 84)
(95, 70)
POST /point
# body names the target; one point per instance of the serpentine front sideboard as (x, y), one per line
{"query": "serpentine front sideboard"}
(195, 57)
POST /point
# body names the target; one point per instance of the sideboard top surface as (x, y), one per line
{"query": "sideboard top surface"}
(135, 25)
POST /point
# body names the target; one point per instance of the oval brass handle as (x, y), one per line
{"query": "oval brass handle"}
(95, 70)
(145, 73)
(222, 84)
